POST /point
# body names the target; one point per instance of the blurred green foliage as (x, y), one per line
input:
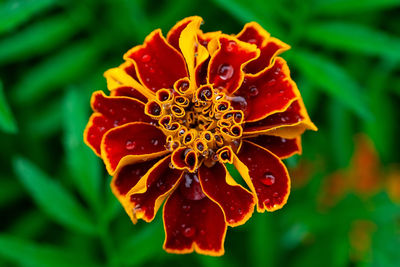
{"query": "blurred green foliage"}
(56, 205)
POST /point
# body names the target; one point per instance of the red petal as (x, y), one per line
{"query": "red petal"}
(157, 63)
(111, 112)
(288, 124)
(193, 222)
(253, 33)
(282, 147)
(131, 143)
(148, 195)
(127, 177)
(175, 32)
(270, 91)
(236, 202)
(128, 92)
(273, 48)
(265, 174)
(226, 64)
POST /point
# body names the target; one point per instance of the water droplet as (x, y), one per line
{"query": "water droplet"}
(228, 193)
(112, 112)
(232, 208)
(196, 54)
(152, 70)
(186, 208)
(231, 221)
(267, 201)
(204, 211)
(130, 145)
(271, 82)
(225, 71)
(202, 232)
(154, 142)
(146, 58)
(189, 231)
(231, 46)
(276, 194)
(252, 41)
(253, 91)
(171, 166)
(240, 211)
(268, 179)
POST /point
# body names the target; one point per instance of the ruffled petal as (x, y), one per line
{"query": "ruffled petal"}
(146, 197)
(268, 92)
(175, 33)
(288, 124)
(228, 56)
(111, 112)
(253, 33)
(128, 92)
(236, 202)
(192, 221)
(126, 178)
(282, 147)
(269, 51)
(157, 63)
(131, 143)
(265, 174)
(125, 76)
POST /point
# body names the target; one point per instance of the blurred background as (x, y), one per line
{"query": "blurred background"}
(55, 201)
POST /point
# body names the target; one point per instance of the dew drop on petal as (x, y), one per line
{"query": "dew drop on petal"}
(268, 179)
(253, 91)
(231, 46)
(189, 231)
(154, 142)
(232, 208)
(267, 201)
(271, 82)
(186, 208)
(276, 194)
(146, 58)
(225, 71)
(130, 145)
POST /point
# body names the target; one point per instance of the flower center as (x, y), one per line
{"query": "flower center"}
(202, 121)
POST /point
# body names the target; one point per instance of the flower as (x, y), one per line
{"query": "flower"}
(183, 106)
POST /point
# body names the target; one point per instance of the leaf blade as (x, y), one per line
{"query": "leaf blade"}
(7, 121)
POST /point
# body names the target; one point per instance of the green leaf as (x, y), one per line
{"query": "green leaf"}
(145, 244)
(333, 80)
(7, 121)
(15, 12)
(52, 198)
(340, 7)
(354, 38)
(83, 164)
(58, 70)
(27, 253)
(40, 37)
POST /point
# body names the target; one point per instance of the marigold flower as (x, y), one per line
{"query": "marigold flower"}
(181, 107)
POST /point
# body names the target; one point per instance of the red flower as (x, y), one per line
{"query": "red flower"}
(183, 106)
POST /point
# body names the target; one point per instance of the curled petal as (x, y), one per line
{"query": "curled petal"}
(144, 200)
(288, 124)
(269, 51)
(236, 202)
(282, 147)
(265, 174)
(131, 143)
(192, 221)
(175, 33)
(111, 112)
(184, 158)
(126, 178)
(157, 63)
(227, 60)
(125, 76)
(253, 33)
(268, 92)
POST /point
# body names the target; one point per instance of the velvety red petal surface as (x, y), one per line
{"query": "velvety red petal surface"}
(111, 112)
(236, 202)
(158, 64)
(271, 49)
(268, 92)
(192, 221)
(147, 198)
(128, 92)
(140, 141)
(265, 174)
(290, 116)
(253, 33)
(225, 68)
(282, 147)
(128, 176)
